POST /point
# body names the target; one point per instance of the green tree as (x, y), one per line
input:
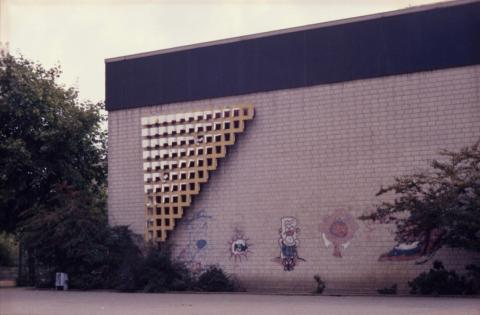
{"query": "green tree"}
(47, 138)
(52, 169)
(68, 233)
(440, 206)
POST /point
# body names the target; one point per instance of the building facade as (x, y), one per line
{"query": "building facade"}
(259, 153)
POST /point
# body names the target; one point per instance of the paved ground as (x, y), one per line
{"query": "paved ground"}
(16, 301)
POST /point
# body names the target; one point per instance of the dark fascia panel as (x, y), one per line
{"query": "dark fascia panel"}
(439, 38)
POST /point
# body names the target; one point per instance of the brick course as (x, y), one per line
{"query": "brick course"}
(307, 152)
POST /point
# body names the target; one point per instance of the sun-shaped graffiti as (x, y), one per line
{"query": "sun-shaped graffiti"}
(239, 247)
(338, 229)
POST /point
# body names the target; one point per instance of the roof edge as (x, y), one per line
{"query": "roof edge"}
(294, 29)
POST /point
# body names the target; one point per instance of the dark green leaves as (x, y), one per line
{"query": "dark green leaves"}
(445, 198)
(47, 137)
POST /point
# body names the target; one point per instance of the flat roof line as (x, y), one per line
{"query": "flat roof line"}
(294, 29)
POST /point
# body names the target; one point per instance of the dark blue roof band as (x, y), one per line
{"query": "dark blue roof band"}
(439, 38)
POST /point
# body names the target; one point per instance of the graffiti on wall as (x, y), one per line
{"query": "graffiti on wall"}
(337, 230)
(288, 243)
(239, 246)
(425, 246)
(195, 251)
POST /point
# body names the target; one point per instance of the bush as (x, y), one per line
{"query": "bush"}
(473, 276)
(5, 256)
(439, 281)
(388, 290)
(215, 280)
(124, 260)
(159, 273)
(8, 250)
(96, 256)
(320, 284)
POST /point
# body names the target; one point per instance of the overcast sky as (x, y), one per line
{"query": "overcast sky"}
(78, 35)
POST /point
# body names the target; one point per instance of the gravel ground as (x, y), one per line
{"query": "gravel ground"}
(19, 301)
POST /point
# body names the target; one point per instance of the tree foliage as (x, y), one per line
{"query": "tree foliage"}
(439, 281)
(8, 250)
(52, 171)
(52, 191)
(440, 206)
(47, 137)
(68, 233)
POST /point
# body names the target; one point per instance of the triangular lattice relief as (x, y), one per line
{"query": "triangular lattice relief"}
(179, 150)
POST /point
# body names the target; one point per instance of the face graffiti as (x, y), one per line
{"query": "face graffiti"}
(288, 243)
(338, 229)
(239, 247)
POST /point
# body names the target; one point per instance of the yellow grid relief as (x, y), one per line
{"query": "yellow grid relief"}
(179, 150)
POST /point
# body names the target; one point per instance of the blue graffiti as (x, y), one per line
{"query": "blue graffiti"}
(201, 244)
(195, 249)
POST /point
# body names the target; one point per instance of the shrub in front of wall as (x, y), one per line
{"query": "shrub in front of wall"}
(439, 281)
(159, 273)
(320, 284)
(473, 277)
(388, 290)
(214, 279)
(124, 260)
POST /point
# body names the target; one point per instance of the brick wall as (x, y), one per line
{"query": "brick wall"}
(308, 152)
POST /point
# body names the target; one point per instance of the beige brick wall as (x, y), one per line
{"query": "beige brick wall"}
(307, 152)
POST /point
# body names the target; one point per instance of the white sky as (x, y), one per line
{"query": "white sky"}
(79, 35)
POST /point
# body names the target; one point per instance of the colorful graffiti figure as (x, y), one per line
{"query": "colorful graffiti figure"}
(338, 229)
(288, 243)
(425, 246)
(239, 247)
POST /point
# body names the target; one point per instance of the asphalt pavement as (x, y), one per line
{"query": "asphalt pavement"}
(21, 301)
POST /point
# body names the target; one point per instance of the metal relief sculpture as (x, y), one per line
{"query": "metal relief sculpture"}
(179, 151)
(338, 229)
